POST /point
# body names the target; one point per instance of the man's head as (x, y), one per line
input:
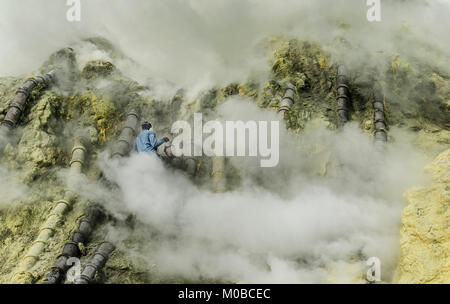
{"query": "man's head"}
(146, 125)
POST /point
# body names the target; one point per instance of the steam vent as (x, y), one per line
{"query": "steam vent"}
(337, 170)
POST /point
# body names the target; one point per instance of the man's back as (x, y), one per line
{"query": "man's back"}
(147, 142)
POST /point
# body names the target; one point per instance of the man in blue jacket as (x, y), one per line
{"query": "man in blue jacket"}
(147, 141)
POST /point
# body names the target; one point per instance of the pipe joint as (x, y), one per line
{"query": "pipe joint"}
(71, 249)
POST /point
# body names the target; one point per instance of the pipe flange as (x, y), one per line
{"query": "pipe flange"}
(342, 85)
(63, 202)
(85, 220)
(38, 241)
(95, 267)
(79, 237)
(52, 229)
(79, 148)
(291, 99)
(103, 255)
(83, 279)
(117, 155)
(344, 97)
(17, 106)
(378, 105)
(8, 123)
(69, 246)
(125, 140)
(76, 161)
(133, 113)
(23, 90)
(33, 80)
(284, 109)
(40, 79)
(31, 256)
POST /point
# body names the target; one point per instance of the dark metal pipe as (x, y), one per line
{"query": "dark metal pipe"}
(94, 213)
(188, 163)
(288, 98)
(165, 151)
(71, 249)
(379, 118)
(18, 104)
(343, 95)
(97, 262)
(127, 136)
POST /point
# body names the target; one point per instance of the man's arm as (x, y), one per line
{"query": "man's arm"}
(155, 142)
(160, 142)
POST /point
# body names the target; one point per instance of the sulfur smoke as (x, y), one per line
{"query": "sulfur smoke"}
(295, 223)
(203, 43)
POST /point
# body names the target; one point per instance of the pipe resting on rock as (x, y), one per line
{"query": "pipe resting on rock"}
(343, 95)
(87, 224)
(288, 99)
(97, 262)
(54, 219)
(127, 136)
(379, 119)
(165, 151)
(17, 106)
(94, 213)
(89, 221)
(72, 248)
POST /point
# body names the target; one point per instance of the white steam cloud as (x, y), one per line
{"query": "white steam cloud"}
(200, 43)
(293, 227)
(11, 188)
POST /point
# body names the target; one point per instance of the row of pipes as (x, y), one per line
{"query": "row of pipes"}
(122, 148)
(58, 212)
(343, 95)
(378, 115)
(87, 224)
(343, 99)
(19, 102)
(126, 140)
(57, 215)
(71, 249)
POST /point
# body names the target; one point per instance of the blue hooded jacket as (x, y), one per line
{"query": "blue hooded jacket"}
(147, 142)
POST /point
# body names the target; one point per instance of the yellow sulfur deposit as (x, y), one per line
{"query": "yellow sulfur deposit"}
(425, 232)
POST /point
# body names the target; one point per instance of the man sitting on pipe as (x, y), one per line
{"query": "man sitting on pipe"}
(147, 140)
